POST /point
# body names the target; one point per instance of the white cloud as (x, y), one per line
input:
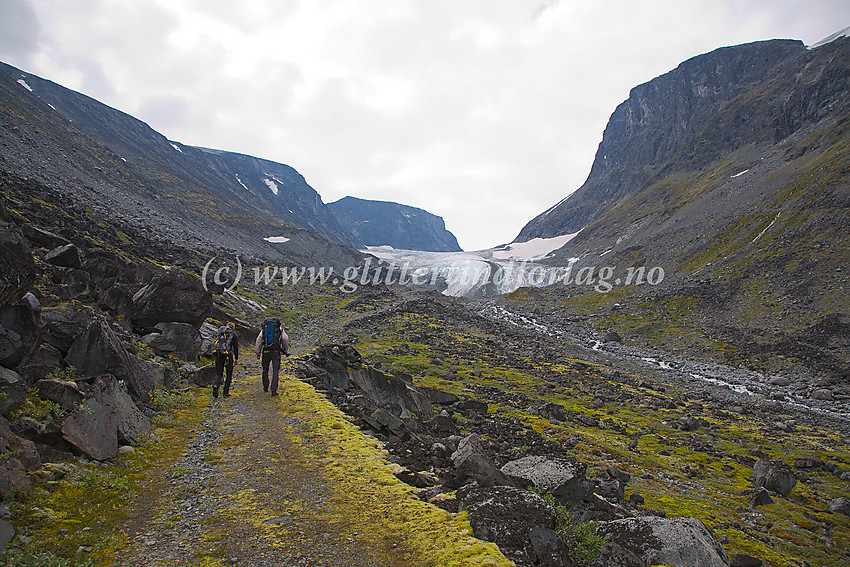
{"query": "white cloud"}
(485, 112)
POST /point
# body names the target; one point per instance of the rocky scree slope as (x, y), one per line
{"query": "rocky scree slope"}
(118, 166)
(380, 223)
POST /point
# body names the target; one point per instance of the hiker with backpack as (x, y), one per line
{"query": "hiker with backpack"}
(226, 350)
(270, 344)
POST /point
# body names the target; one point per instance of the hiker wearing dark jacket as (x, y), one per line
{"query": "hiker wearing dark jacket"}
(270, 344)
(226, 355)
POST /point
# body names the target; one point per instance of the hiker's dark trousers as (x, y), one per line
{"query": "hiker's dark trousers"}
(223, 362)
(273, 357)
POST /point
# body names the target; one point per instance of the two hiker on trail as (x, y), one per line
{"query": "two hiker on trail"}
(270, 344)
(226, 350)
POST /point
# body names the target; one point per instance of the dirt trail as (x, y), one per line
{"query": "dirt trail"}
(259, 484)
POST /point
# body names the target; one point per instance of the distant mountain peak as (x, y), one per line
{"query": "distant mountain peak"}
(384, 223)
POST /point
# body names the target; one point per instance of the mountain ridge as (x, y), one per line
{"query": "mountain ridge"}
(386, 223)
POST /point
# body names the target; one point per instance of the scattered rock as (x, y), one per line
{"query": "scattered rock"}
(17, 267)
(7, 532)
(13, 391)
(472, 463)
(179, 339)
(779, 381)
(506, 516)
(677, 542)
(204, 376)
(43, 237)
(66, 394)
(742, 560)
(761, 498)
(439, 397)
(840, 505)
(823, 394)
(20, 330)
(775, 476)
(106, 419)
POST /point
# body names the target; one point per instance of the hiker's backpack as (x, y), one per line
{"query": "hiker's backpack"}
(271, 334)
(224, 340)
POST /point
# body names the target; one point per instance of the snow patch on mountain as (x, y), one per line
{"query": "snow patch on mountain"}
(271, 183)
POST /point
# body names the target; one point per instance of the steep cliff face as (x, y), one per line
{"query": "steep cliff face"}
(670, 123)
(378, 223)
(737, 189)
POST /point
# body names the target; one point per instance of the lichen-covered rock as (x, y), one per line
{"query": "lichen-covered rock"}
(506, 516)
(677, 542)
(562, 478)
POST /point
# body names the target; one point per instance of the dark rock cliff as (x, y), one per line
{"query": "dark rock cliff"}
(673, 121)
(377, 223)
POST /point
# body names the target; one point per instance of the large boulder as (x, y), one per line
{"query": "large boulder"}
(775, 476)
(174, 296)
(99, 351)
(677, 542)
(472, 463)
(13, 391)
(66, 256)
(17, 267)
(562, 478)
(179, 339)
(507, 516)
(392, 391)
(20, 330)
(41, 363)
(42, 237)
(64, 393)
(106, 418)
(64, 325)
(204, 376)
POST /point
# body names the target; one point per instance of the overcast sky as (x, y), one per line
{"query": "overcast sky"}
(485, 112)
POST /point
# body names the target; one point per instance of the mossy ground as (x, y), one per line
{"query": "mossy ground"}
(706, 474)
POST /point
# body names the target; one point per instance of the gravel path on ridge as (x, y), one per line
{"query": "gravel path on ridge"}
(244, 492)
